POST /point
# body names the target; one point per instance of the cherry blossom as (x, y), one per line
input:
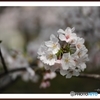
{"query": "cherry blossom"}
(65, 53)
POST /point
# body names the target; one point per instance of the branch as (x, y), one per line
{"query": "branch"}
(82, 75)
(3, 62)
(92, 76)
(12, 71)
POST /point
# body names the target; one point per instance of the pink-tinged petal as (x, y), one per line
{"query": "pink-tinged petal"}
(62, 37)
(61, 31)
(58, 61)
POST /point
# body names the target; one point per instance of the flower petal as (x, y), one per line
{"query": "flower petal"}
(75, 73)
(48, 43)
(61, 31)
(83, 66)
(73, 29)
(53, 38)
(68, 75)
(62, 37)
(68, 30)
(63, 72)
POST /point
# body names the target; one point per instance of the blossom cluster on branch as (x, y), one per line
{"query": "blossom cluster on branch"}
(65, 53)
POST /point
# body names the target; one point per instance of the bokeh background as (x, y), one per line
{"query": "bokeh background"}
(25, 28)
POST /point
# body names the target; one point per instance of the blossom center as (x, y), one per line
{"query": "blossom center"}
(67, 36)
(78, 45)
(54, 46)
(67, 60)
(72, 41)
(50, 56)
(79, 54)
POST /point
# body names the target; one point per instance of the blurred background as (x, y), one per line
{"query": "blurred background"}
(25, 28)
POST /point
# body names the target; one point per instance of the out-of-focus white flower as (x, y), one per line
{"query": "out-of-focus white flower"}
(53, 44)
(31, 71)
(67, 35)
(18, 60)
(26, 76)
(40, 64)
(67, 61)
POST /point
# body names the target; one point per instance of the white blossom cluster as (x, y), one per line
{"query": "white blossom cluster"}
(15, 59)
(68, 50)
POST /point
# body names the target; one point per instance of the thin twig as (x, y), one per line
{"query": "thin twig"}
(82, 75)
(91, 76)
(12, 71)
(3, 62)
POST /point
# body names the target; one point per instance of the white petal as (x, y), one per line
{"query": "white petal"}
(48, 43)
(41, 50)
(65, 66)
(66, 55)
(83, 66)
(75, 73)
(61, 31)
(82, 40)
(63, 72)
(73, 29)
(52, 75)
(53, 38)
(68, 30)
(31, 71)
(68, 75)
(62, 37)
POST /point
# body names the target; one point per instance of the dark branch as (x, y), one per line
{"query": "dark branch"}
(82, 75)
(3, 62)
(12, 71)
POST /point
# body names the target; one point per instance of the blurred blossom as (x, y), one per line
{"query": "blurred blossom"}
(9, 33)
(26, 76)
(49, 75)
(18, 60)
(45, 84)
(40, 64)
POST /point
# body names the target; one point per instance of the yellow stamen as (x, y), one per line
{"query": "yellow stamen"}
(78, 45)
(54, 46)
(50, 56)
(79, 53)
(67, 60)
